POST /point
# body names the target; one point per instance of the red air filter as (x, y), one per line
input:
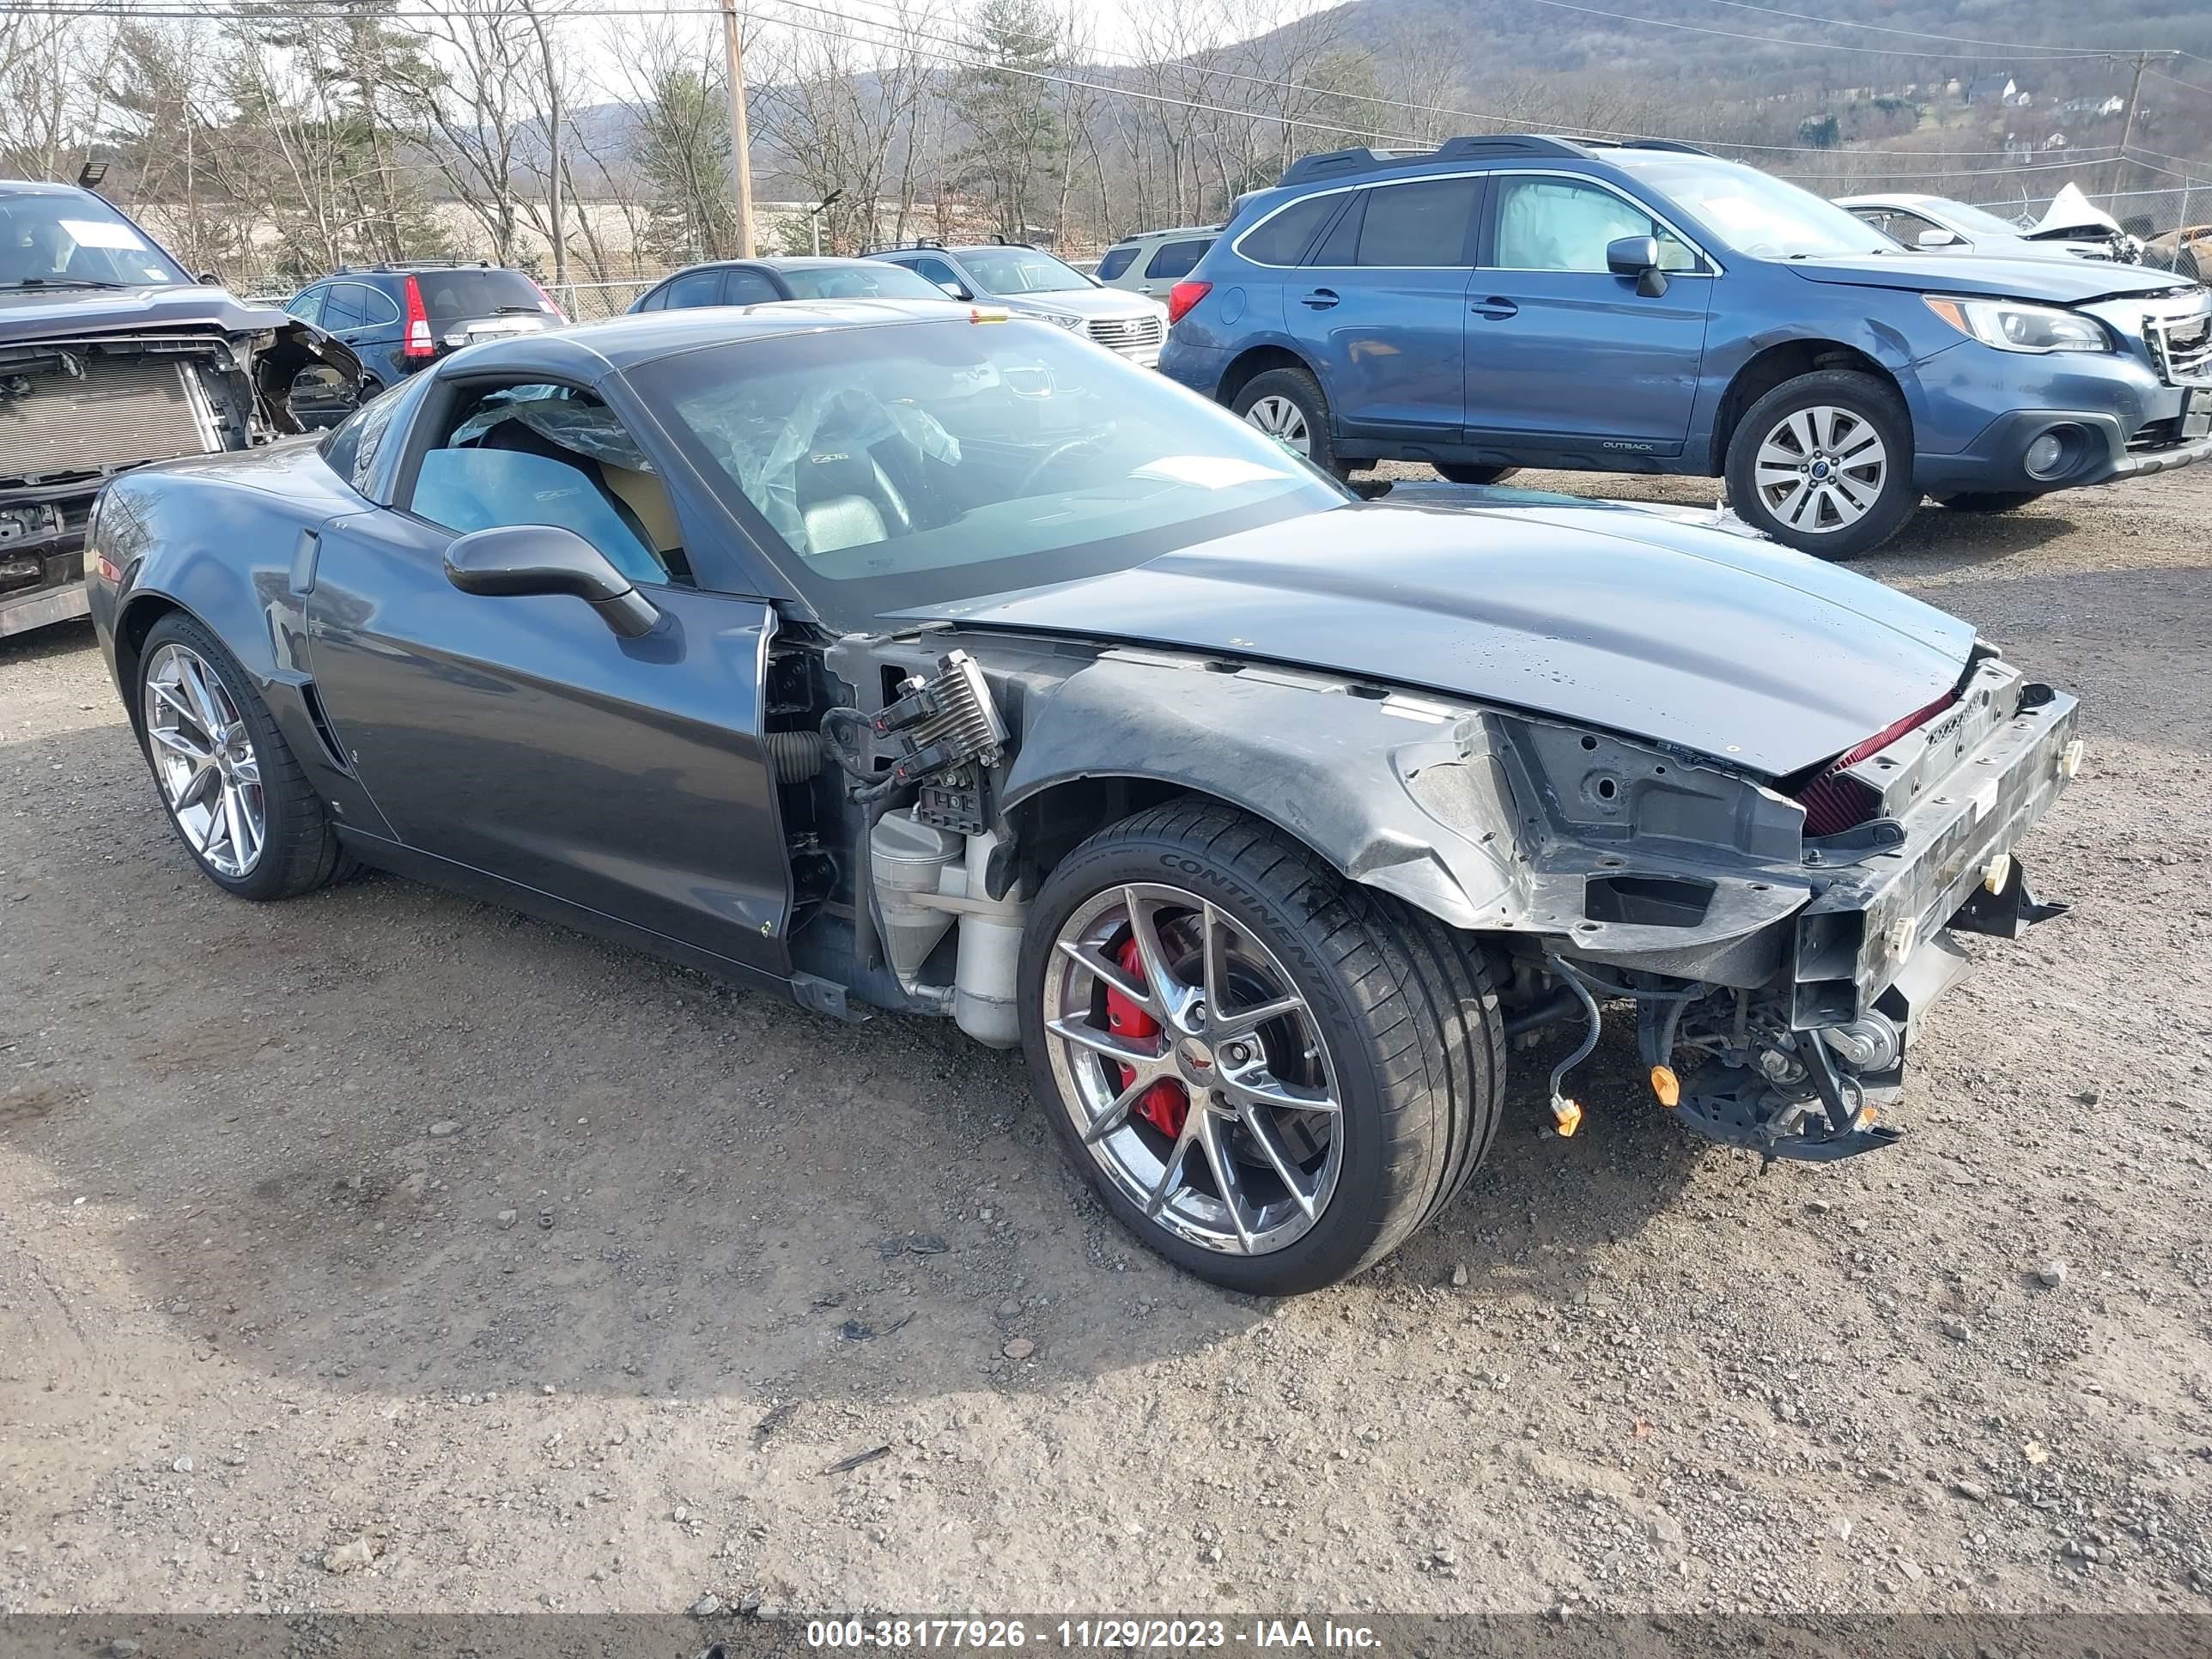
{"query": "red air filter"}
(1834, 802)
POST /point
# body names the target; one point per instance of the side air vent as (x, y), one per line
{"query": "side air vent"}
(323, 735)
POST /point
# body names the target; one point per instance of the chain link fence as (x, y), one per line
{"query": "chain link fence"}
(2152, 215)
(590, 302)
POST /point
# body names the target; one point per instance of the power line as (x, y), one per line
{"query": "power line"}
(2192, 85)
(1924, 34)
(1336, 129)
(913, 32)
(1431, 109)
(1783, 40)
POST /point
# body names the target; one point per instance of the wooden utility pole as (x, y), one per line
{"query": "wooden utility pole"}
(2127, 123)
(741, 159)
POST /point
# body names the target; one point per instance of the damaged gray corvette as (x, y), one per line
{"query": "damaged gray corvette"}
(905, 656)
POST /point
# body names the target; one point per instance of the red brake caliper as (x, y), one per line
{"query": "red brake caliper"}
(1164, 1105)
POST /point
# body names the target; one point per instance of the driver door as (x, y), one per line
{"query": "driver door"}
(521, 737)
(1558, 347)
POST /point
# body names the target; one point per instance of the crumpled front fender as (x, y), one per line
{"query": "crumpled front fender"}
(1357, 773)
(1494, 821)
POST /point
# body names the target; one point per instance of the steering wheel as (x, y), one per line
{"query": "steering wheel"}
(1052, 457)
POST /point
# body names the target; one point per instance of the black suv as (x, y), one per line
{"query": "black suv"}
(398, 317)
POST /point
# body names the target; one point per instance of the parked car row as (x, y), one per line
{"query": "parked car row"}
(1527, 300)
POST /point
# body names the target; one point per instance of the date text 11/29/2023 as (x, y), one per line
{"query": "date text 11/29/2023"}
(1108, 1635)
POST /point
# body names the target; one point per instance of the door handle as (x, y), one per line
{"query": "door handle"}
(1497, 307)
(1321, 299)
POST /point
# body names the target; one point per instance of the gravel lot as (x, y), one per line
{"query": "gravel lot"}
(382, 1251)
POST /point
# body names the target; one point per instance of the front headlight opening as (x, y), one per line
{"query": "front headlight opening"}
(2010, 325)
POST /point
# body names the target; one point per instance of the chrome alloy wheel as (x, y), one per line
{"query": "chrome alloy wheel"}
(1283, 421)
(1194, 1070)
(1821, 470)
(205, 761)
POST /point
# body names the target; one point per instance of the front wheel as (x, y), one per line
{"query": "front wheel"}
(1824, 464)
(1272, 1077)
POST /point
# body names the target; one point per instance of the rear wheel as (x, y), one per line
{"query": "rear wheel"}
(1272, 1077)
(1992, 501)
(238, 799)
(1289, 405)
(1460, 473)
(1824, 464)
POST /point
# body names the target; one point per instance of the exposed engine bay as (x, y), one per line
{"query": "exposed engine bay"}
(1773, 944)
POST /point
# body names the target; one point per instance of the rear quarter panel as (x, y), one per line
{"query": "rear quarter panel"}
(220, 537)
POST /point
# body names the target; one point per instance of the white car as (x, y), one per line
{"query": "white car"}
(1154, 261)
(2072, 228)
(1031, 282)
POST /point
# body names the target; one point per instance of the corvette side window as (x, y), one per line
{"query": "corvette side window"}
(549, 454)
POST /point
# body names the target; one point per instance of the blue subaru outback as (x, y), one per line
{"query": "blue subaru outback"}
(1648, 307)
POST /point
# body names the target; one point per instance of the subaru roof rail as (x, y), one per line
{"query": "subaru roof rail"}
(901, 247)
(1353, 163)
(1674, 144)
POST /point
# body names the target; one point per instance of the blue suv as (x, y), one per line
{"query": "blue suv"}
(1649, 308)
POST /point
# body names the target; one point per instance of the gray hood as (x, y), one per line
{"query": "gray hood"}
(1601, 615)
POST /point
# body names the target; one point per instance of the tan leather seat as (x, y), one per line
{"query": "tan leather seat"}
(644, 495)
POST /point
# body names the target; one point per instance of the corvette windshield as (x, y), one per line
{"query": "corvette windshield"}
(932, 461)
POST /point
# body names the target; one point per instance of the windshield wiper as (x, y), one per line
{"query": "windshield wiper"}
(65, 282)
(504, 311)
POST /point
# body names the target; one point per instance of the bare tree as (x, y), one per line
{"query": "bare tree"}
(53, 73)
(473, 95)
(1006, 96)
(670, 80)
(835, 107)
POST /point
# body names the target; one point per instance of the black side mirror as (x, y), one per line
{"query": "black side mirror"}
(209, 279)
(1637, 257)
(544, 558)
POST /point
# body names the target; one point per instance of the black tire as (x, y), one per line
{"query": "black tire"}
(1990, 501)
(1461, 472)
(1299, 389)
(1402, 1003)
(1865, 399)
(300, 851)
